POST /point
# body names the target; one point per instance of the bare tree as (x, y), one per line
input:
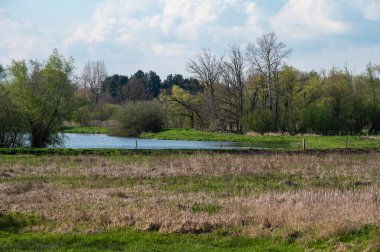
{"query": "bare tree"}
(206, 68)
(93, 76)
(266, 57)
(233, 77)
(135, 90)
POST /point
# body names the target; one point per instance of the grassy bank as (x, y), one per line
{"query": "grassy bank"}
(287, 142)
(197, 202)
(86, 130)
(277, 141)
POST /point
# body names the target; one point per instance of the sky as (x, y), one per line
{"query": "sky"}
(162, 35)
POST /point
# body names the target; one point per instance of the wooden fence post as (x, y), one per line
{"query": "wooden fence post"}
(304, 144)
(346, 143)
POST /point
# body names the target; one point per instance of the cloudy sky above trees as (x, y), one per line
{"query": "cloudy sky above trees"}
(161, 35)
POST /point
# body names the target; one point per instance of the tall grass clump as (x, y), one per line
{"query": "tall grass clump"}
(135, 118)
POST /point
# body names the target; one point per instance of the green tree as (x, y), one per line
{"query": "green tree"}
(288, 89)
(12, 125)
(259, 121)
(134, 118)
(44, 95)
(114, 88)
(189, 105)
(373, 87)
(316, 118)
(337, 99)
(152, 84)
(171, 80)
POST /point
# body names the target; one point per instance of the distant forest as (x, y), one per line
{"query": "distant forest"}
(248, 89)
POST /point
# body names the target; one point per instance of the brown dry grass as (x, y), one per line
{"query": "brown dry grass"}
(37, 187)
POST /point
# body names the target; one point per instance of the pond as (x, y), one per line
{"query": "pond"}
(103, 141)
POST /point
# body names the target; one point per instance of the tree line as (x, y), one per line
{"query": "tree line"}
(248, 89)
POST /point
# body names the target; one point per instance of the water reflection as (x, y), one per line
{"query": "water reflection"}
(103, 141)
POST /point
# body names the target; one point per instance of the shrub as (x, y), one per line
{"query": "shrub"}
(259, 121)
(135, 118)
(317, 119)
(89, 113)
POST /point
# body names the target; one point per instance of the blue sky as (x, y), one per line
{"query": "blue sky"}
(161, 35)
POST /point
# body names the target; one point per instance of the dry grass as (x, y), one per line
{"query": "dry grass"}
(315, 207)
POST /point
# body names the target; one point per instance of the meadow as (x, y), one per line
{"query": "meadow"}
(196, 201)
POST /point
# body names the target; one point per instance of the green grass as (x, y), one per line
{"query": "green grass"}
(102, 152)
(367, 238)
(86, 130)
(283, 142)
(14, 236)
(132, 240)
(15, 222)
(128, 239)
(219, 186)
(197, 135)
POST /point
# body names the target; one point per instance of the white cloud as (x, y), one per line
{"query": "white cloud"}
(355, 57)
(162, 34)
(170, 50)
(304, 19)
(149, 27)
(22, 40)
(371, 10)
(187, 21)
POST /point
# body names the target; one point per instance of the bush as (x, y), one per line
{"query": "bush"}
(89, 113)
(135, 118)
(104, 112)
(259, 121)
(317, 119)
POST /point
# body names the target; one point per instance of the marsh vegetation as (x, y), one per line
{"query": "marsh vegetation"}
(308, 201)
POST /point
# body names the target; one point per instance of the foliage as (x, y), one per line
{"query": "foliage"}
(104, 112)
(44, 95)
(114, 86)
(138, 117)
(12, 124)
(259, 121)
(192, 85)
(316, 118)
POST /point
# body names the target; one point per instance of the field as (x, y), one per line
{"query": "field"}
(198, 201)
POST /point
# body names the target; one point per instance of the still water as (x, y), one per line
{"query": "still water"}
(103, 141)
